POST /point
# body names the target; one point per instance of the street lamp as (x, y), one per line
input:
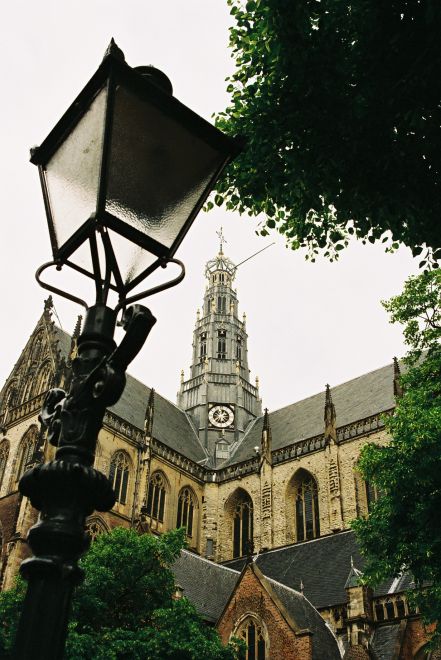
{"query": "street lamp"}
(123, 173)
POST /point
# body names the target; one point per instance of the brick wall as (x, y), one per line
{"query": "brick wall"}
(251, 598)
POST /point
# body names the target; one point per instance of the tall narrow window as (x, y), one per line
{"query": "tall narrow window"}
(4, 452)
(242, 526)
(156, 497)
(307, 513)
(221, 305)
(239, 348)
(202, 346)
(186, 505)
(119, 475)
(252, 634)
(27, 450)
(221, 344)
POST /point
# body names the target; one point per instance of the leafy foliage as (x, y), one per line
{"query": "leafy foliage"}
(125, 609)
(403, 530)
(339, 104)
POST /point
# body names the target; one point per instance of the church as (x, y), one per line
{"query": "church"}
(266, 498)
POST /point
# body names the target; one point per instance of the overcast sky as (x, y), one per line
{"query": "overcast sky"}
(308, 324)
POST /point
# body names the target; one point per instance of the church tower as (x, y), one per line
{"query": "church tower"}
(218, 395)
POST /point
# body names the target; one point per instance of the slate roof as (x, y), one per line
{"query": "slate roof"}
(385, 641)
(321, 565)
(64, 341)
(206, 584)
(209, 586)
(171, 426)
(324, 643)
(354, 400)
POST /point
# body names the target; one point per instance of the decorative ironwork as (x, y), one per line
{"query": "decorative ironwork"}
(68, 489)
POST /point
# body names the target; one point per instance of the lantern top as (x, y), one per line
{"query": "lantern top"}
(147, 81)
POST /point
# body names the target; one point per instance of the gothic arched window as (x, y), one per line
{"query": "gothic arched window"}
(186, 507)
(119, 475)
(94, 528)
(43, 378)
(4, 453)
(242, 525)
(301, 508)
(10, 397)
(252, 633)
(156, 497)
(37, 348)
(306, 508)
(26, 451)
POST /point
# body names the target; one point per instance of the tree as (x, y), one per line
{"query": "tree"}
(403, 531)
(125, 609)
(340, 107)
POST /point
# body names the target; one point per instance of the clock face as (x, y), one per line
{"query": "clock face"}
(221, 416)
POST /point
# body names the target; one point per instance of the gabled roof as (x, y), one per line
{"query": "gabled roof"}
(321, 566)
(361, 397)
(324, 643)
(210, 586)
(206, 584)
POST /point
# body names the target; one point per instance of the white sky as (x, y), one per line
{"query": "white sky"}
(308, 324)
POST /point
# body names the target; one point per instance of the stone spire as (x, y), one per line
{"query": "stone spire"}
(74, 338)
(266, 441)
(354, 576)
(330, 417)
(48, 305)
(398, 389)
(149, 414)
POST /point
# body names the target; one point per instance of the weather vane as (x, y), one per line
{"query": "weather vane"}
(222, 240)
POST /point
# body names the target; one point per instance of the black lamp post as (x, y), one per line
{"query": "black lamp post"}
(124, 173)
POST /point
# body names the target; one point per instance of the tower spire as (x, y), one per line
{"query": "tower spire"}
(222, 240)
(218, 394)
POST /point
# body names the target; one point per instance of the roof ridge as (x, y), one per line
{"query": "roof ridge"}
(208, 561)
(302, 543)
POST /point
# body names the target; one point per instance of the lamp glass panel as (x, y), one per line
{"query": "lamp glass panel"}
(158, 169)
(72, 173)
(131, 258)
